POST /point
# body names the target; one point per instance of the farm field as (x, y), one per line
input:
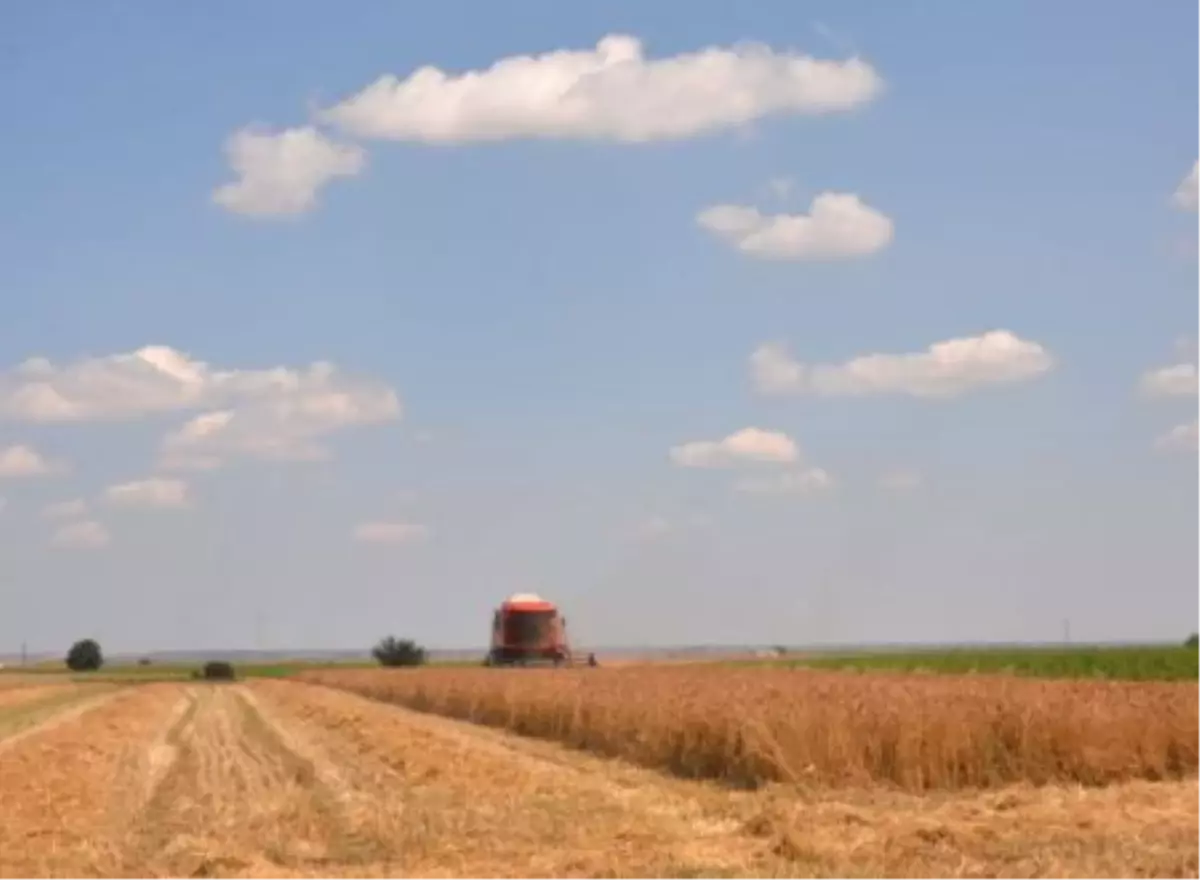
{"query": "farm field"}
(273, 777)
(748, 726)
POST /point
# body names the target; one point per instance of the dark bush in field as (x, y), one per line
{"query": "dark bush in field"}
(398, 652)
(1193, 641)
(217, 670)
(85, 656)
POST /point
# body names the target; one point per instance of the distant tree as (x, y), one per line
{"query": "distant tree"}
(85, 656)
(217, 670)
(391, 651)
(144, 661)
(1193, 641)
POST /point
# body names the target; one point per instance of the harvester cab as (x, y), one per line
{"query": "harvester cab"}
(528, 630)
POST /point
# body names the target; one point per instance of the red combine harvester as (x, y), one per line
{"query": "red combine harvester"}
(526, 629)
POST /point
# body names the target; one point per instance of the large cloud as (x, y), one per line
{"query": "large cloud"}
(746, 445)
(838, 226)
(270, 413)
(612, 92)
(945, 369)
(280, 173)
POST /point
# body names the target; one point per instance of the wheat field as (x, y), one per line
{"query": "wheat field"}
(750, 726)
(286, 778)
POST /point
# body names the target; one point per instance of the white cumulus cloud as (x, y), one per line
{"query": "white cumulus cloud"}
(944, 369)
(1177, 380)
(151, 492)
(384, 532)
(809, 481)
(20, 460)
(85, 535)
(280, 412)
(1186, 195)
(72, 509)
(1181, 438)
(280, 173)
(285, 428)
(746, 445)
(610, 92)
(838, 226)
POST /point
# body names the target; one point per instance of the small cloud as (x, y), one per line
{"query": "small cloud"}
(800, 482)
(85, 535)
(838, 226)
(391, 533)
(1186, 196)
(746, 445)
(945, 369)
(901, 480)
(654, 527)
(1181, 438)
(24, 461)
(280, 174)
(1177, 380)
(781, 187)
(153, 492)
(72, 509)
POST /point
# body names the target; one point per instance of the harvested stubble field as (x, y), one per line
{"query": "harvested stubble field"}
(286, 779)
(749, 726)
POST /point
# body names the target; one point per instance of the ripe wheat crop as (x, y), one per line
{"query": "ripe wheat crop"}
(748, 726)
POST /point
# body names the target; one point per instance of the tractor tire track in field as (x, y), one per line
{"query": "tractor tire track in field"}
(231, 791)
(62, 783)
(46, 708)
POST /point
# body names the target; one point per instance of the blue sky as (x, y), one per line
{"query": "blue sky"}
(533, 310)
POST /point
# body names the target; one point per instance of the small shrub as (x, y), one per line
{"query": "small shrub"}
(217, 670)
(398, 652)
(85, 656)
(1193, 641)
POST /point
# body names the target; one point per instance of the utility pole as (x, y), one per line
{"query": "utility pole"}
(1067, 630)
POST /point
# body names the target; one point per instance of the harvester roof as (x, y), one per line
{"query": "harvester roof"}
(526, 602)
